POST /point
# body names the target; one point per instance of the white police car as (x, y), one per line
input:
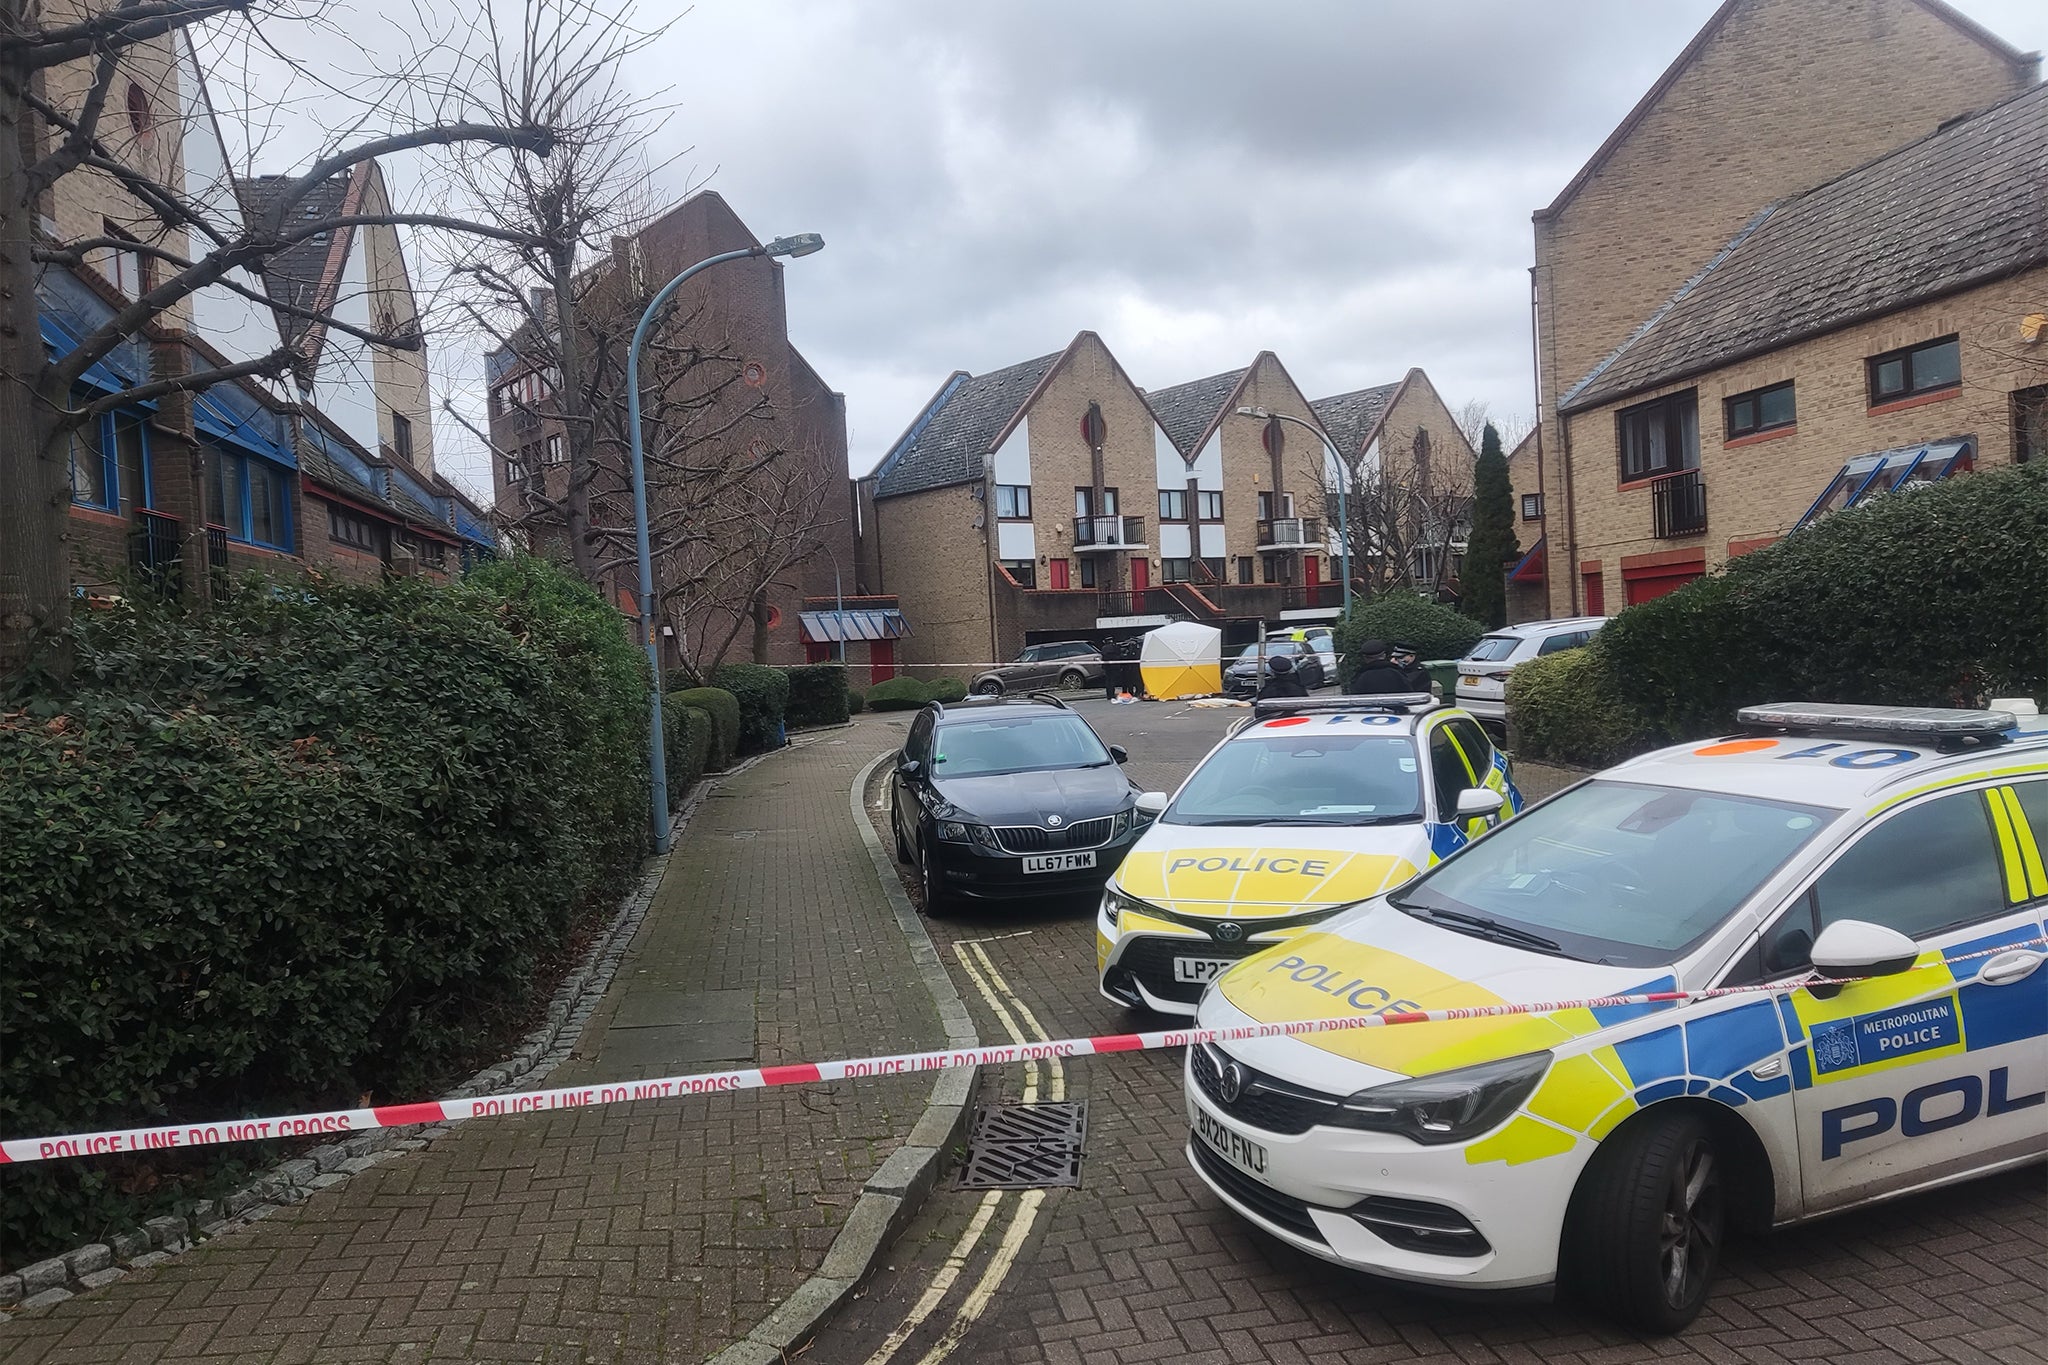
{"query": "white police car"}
(1609, 1148)
(1309, 806)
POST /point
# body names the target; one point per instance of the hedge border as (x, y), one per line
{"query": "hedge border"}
(293, 1180)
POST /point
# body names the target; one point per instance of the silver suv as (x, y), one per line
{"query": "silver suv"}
(1483, 672)
(1072, 663)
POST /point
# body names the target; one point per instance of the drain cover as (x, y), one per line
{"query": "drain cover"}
(1025, 1146)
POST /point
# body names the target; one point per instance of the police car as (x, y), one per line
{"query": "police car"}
(1611, 1148)
(1307, 807)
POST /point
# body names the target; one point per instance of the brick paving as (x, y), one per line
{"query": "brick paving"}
(646, 1232)
(1143, 1263)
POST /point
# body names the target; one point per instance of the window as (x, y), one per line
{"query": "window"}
(1088, 574)
(401, 437)
(1015, 744)
(1173, 504)
(1209, 506)
(557, 451)
(1278, 568)
(1244, 570)
(432, 553)
(1931, 867)
(1176, 570)
(353, 529)
(1013, 501)
(1557, 644)
(515, 468)
(1213, 570)
(1447, 771)
(1659, 437)
(141, 118)
(1329, 779)
(249, 497)
(1532, 507)
(131, 459)
(93, 480)
(127, 269)
(1758, 410)
(1084, 500)
(2030, 424)
(1918, 369)
(1266, 506)
(1025, 571)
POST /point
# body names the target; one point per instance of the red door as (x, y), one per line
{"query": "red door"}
(1141, 575)
(1311, 570)
(1648, 587)
(1058, 578)
(881, 661)
(1596, 594)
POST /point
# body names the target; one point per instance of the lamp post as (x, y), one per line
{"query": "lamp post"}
(1343, 479)
(802, 244)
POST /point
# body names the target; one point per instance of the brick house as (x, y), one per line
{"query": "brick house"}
(1054, 499)
(815, 610)
(1528, 593)
(239, 476)
(1790, 149)
(1405, 433)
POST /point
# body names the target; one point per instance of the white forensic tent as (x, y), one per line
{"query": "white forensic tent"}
(1182, 660)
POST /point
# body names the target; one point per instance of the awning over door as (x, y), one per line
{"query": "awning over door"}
(1886, 471)
(1529, 568)
(854, 623)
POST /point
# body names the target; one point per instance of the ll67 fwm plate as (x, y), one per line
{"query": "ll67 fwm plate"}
(1059, 862)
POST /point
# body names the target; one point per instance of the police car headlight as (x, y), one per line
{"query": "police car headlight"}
(1450, 1106)
(1115, 903)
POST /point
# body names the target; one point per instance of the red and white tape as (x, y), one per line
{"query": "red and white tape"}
(340, 1122)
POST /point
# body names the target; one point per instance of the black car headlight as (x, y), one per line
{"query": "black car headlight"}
(966, 832)
(1124, 821)
(1449, 1106)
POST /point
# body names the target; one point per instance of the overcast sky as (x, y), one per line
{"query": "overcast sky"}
(1345, 183)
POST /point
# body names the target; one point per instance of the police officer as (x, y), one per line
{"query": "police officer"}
(1282, 679)
(1376, 675)
(1404, 658)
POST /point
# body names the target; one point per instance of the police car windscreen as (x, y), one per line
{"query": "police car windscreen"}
(1317, 779)
(1611, 871)
(1015, 744)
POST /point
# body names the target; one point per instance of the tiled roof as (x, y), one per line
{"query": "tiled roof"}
(951, 443)
(1350, 417)
(1960, 207)
(1187, 410)
(294, 275)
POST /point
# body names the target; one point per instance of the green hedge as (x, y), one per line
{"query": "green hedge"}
(947, 689)
(1566, 709)
(724, 710)
(855, 702)
(309, 846)
(817, 695)
(691, 734)
(901, 693)
(763, 695)
(1432, 630)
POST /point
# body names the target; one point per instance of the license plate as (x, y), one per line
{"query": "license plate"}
(1235, 1148)
(1469, 681)
(1200, 968)
(1059, 862)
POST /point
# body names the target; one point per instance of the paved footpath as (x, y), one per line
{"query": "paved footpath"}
(648, 1232)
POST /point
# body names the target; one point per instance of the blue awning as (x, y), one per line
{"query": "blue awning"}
(1887, 471)
(854, 623)
(226, 413)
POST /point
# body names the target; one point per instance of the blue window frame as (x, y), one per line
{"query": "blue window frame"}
(249, 496)
(110, 460)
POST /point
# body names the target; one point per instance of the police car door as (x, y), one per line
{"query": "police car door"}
(1940, 1070)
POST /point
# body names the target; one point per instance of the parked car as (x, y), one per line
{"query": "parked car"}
(1320, 639)
(1483, 672)
(1069, 663)
(1246, 672)
(1004, 797)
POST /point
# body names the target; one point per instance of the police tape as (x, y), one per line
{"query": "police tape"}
(342, 1122)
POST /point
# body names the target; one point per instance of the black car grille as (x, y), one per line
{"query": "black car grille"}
(1279, 1209)
(1036, 839)
(1151, 961)
(1262, 1101)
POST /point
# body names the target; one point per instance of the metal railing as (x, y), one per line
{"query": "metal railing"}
(156, 551)
(1103, 533)
(217, 559)
(1284, 533)
(1678, 505)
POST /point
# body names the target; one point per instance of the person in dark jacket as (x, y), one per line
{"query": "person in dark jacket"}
(1404, 658)
(1281, 679)
(1375, 674)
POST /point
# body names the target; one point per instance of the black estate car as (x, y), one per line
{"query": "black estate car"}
(1004, 797)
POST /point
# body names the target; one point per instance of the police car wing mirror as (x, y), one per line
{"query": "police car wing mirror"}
(1851, 949)
(1152, 805)
(1480, 803)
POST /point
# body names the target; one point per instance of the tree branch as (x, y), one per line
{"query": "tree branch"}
(109, 31)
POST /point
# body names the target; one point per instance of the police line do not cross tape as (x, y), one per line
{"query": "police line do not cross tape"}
(342, 1122)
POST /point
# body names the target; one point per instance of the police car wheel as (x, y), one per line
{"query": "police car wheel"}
(1645, 1231)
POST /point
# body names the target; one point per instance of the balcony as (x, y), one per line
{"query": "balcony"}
(1290, 533)
(1098, 535)
(1678, 505)
(156, 551)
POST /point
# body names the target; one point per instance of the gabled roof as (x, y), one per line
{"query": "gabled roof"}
(2024, 62)
(1963, 206)
(953, 436)
(1353, 418)
(1188, 412)
(306, 273)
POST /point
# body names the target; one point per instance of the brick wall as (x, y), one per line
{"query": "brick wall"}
(1062, 462)
(942, 586)
(1784, 95)
(1758, 487)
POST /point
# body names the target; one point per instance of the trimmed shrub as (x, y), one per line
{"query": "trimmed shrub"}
(691, 734)
(947, 689)
(1930, 597)
(1433, 630)
(855, 702)
(817, 694)
(309, 845)
(724, 710)
(901, 693)
(1565, 707)
(763, 695)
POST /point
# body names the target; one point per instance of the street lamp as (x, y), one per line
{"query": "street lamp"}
(802, 244)
(1343, 478)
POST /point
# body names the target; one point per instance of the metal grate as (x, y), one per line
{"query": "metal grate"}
(1035, 839)
(1026, 1146)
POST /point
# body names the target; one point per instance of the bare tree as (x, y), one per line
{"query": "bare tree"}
(58, 80)
(1408, 514)
(1473, 416)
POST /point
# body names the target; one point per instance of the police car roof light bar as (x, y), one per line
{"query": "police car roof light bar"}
(1926, 724)
(1296, 706)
